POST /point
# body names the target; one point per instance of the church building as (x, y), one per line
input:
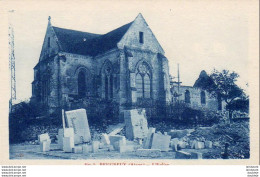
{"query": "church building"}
(125, 65)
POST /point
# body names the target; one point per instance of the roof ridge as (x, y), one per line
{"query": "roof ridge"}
(76, 30)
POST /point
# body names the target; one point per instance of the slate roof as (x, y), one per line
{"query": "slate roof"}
(84, 43)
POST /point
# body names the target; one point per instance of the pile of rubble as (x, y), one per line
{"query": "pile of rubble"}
(75, 137)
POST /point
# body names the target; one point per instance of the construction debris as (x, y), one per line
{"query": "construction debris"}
(139, 139)
(199, 145)
(95, 146)
(77, 119)
(68, 144)
(43, 137)
(208, 144)
(161, 142)
(105, 139)
(148, 140)
(115, 129)
(136, 124)
(77, 150)
(45, 145)
(86, 148)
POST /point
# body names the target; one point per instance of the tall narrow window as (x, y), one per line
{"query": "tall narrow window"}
(108, 81)
(49, 42)
(202, 97)
(143, 82)
(187, 96)
(141, 37)
(82, 84)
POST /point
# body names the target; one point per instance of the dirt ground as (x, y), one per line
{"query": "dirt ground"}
(22, 151)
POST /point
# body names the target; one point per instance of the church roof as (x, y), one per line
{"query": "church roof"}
(204, 81)
(84, 43)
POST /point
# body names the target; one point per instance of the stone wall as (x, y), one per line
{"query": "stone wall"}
(211, 102)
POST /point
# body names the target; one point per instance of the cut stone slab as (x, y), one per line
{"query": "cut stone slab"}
(77, 150)
(208, 144)
(115, 138)
(43, 137)
(126, 148)
(196, 155)
(69, 132)
(192, 144)
(119, 143)
(105, 139)
(182, 155)
(86, 148)
(174, 144)
(95, 146)
(199, 145)
(68, 144)
(148, 140)
(148, 152)
(116, 129)
(161, 142)
(77, 119)
(45, 145)
(136, 125)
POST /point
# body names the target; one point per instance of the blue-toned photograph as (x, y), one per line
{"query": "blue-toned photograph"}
(150, 84)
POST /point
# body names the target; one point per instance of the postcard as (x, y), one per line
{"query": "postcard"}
(130, 82)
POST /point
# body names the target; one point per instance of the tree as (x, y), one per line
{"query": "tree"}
(226, 88)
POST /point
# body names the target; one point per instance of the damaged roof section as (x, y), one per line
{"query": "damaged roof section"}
(85, 43)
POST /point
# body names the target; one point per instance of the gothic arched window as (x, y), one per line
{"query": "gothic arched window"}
(107, 76)
(187, 96)
(143, 81)
(202, 97)
(82, 89)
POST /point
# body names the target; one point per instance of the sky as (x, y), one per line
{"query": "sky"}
(197, 35)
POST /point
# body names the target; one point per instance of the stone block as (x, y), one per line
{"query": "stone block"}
(196, 155)
(68, 144)
(148, 140)
(126, 148)
(208, 144)
(110, 147)
(43, 137)
(77, 150)
(119, 143)
(116, 129)
(77, 119)
(192, 144)
(182, 155)
(161, 142)
(45, 145)
(86, 148)
(181, 145)
(199, 145)
(136, 124)
(105, 139)
(102, 145)
(115, 138)
(95, 146)
(148, 153)
(69, 132)
(174, 144)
